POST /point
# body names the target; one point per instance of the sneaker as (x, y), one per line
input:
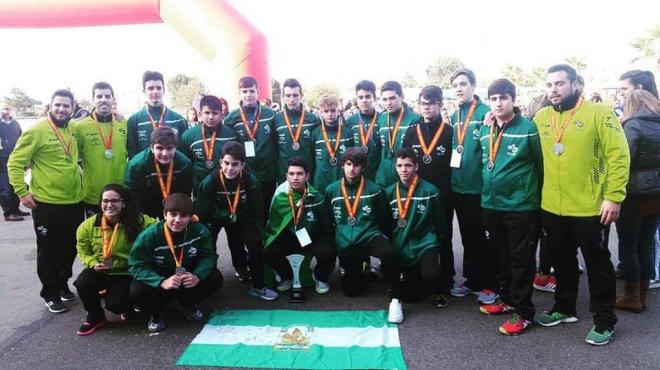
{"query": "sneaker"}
(89, 327)
(515, 325)
(545, 283)
(553, 318)
(395, 312)
(21, 213)
(496, 308)
(192, 313)
(460, 291)
(14, 218)
(598, 337)
(487, 296)
(372, 275)
(242, 275)
(654, 284)
(156, 323)
(320, 286)
(284, 285)
(56, 306)
(264, 293)
(439, 300)
(67, 295)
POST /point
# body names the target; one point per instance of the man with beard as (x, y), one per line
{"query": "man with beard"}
(102, 147)
(54, 196)
(154, 114)
(364, 128)
(10, 131)
(586, 162)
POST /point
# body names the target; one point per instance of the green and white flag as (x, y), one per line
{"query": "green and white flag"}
(288, 339)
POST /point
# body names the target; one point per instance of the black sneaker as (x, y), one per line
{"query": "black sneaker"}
(21, 213)
(67, 295)
(56, 306)
(439, 300)
(242, 275)
(156, 323)
(192, 313)
(89, 327)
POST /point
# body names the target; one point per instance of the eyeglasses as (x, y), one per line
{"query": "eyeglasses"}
(427, 104)
(111, 201)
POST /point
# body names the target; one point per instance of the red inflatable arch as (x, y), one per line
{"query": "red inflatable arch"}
(205, 24)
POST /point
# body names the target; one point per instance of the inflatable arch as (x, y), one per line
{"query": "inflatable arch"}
(211, 26)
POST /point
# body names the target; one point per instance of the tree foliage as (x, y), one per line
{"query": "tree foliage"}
(313, 94)
(439, 72)
(184, 90)
(21, 103)
(521, 78)
(409, 80)
(577, 62)
(648, 47)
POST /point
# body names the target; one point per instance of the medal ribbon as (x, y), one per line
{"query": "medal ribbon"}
(165, 188)
(233, 205)
(352, 208)
(494, 144)
(295, 137)
(392, 134)
(155, 124)
(66, 145)
(553, 122)
(364, 139)
(462, 129)
(253, 133)
(297, 212)
(170, 243)
(208, 148)
(109, 241)
(331, 151)
(403, 209)
(107, 142)
(427, 150)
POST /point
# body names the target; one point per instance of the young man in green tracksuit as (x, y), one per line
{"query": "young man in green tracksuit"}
(586, 163)
(203, 143)
(102, 147)
(173, 260)
(254, 125)
(330, 138)
(54, 196)
(294, 128)
(467, 183)
(512, 176)
(364, 126)
(417, 226)
(392, 127)
(158, 171)
(360, 214)
(299, 221)
(154, 114)
(230, 198)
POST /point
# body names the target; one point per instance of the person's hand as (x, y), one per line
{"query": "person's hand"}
(445, 116)
(609, 212)
(489, 119)
(28, 201)
(100, 267)
(189, 280)
(173, 282)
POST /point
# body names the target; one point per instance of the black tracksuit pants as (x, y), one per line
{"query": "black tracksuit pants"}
(470, 223)
(244, 235)
(286, 243)
(354, 282)
(90, 282)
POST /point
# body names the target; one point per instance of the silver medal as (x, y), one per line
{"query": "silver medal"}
(108, 154)
(209, 164)
(295, 146)
(558, 148)
(490, 166)
(180, 270)
(333, 161)
(401, 223)
(365, 149)
(427, 159)
(351, 220)
(459, 149)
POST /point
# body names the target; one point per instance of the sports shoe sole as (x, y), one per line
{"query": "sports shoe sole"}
(544, 288)
(555, 323)
(56, 311)
(257, 295)
(93, 329)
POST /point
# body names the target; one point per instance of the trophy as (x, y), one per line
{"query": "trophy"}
(297, 294)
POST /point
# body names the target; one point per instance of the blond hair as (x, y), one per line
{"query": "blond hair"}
(328, 101)
(639, 99)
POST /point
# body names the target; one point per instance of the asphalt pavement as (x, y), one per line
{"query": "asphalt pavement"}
(457, 337)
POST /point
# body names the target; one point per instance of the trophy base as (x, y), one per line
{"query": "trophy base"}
(296, 295)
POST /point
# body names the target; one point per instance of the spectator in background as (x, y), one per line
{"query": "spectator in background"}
(596, 98)
(192, 117)
(636, 79)
(10, 130)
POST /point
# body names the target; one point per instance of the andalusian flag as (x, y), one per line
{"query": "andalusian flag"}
(289, 339)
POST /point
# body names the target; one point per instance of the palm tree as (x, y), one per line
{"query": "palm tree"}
(577, 63)
(648, 46)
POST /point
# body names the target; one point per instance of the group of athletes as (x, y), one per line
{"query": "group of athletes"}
(157, 193)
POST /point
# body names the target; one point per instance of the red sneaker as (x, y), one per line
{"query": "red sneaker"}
(515, 325)
(545, 283)
(496, 308)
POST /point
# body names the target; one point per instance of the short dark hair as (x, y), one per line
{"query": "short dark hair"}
(644, 78)
(101, 85)
(502, 86)
(366, 85)
(152, 76)
(291, 83)
(355, 155)
(178, 202)
(235, 150)
(64, 93)
(297, 162)
(432, 93)
(247, 81)
(404, 153)
(392, 86)
(465, 72)
(579, 79)
(211, 101)
(570, 71)
(163, 135)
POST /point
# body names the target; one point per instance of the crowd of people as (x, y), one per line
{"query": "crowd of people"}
(141, 201)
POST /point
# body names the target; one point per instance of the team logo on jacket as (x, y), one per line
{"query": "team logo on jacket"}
(42, 230)
(512, 149)
(310, 216)
(421, 208)
(176, 132)
(192, 251)
(441, 149)
(366, 210)
(578, 123)
(307, 133)
(476, 134)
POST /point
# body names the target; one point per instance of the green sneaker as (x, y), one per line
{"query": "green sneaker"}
(599, 338)
(553, 318)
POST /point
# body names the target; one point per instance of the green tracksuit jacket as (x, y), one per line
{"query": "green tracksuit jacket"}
(285, 141)
(386, 173)
(325, 172)
(191, 146)
(374, 148)
(139, 127)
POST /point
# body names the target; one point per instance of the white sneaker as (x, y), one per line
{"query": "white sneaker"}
(395, 313)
